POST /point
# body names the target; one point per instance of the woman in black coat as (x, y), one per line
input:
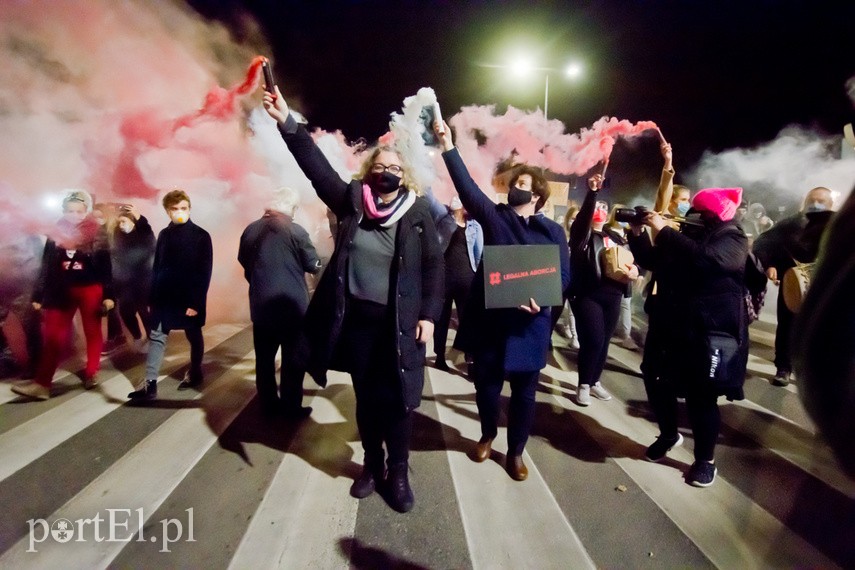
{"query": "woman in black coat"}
(375, 306)
(512, 342)
(697, 344)
(133, 254)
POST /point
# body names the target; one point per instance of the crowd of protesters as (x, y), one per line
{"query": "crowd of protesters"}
(402, 260)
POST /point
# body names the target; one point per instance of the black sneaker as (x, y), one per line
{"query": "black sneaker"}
(147, 392)
(660, 448)
(782, 378)
(701, 474)
(191, 380)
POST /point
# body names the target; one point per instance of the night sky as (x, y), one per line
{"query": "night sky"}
(713, 74)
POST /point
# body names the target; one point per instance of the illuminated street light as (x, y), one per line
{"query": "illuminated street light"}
(522, 66)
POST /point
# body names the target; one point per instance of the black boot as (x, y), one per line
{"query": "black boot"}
(371, 476)
(398, 486)
(147, 392)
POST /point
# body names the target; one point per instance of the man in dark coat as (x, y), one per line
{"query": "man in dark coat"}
(697, 343)
(793, 239)
(183, 261)
(275, 254)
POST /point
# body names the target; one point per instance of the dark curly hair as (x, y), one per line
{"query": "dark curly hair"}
(539, 186)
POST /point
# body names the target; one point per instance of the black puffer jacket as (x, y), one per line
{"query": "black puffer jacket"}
(417, 277)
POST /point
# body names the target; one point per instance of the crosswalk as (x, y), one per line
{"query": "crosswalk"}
(202, 480)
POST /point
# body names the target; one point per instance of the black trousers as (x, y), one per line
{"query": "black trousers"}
(597, 316)
(783, 334)
(701, 405)
(131, 305)
(267, 339)
(457, 291)
(488, 374)
(367, 347)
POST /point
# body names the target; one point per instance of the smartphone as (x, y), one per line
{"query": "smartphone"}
(269, 84)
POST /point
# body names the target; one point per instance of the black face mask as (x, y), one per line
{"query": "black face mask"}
(518, 196)
(383, 182)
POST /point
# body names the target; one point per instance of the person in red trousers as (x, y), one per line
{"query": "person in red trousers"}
(75, 276)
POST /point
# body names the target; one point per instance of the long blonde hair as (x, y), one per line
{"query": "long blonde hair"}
(407, 180)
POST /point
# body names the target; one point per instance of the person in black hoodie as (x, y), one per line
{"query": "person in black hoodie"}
(376, 304)
(75, 275)
(183, 261)
(594, 297)
(275, 254)
(133, 254)
(697, 342)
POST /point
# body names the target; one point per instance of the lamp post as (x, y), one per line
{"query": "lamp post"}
(522, 67)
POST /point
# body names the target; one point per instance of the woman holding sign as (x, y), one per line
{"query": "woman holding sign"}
(511, 342)
(374, 308)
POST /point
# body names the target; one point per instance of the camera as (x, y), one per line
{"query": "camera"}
(633, 216)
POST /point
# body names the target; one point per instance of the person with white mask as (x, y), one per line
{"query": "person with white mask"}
(183, 261)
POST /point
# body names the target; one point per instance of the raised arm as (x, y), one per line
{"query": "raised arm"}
(325, 180)
(477, 204)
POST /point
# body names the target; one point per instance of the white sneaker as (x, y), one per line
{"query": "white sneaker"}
(628, 343)
(583, 395)
(600, 393)
(31, 390)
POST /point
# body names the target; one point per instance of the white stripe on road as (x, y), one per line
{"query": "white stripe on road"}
(508, 524)
(27, 442)
(307, 510)
(142, 479)
(725, 524)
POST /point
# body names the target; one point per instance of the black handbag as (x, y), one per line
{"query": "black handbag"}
(725, 361)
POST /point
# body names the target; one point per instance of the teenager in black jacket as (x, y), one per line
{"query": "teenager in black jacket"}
(183, 261)
(376, 304)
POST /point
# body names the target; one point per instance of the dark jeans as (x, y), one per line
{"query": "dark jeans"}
(267, 338)
(367, 347)
(596, 319)
(458, 292)
(783, 335)
(702, 406)
(489, 377)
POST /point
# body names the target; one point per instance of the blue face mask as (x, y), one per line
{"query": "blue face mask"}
(683, 208)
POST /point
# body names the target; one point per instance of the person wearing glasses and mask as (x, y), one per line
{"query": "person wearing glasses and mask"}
(376, 304)
(505, 342)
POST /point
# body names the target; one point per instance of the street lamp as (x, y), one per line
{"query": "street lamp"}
(522, 66)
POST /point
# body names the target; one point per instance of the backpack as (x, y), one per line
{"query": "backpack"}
(755, 287)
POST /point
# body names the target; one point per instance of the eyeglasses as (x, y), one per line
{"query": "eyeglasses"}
(378, 167)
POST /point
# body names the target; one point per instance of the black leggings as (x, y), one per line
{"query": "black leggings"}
(367, 347)
(597, 316)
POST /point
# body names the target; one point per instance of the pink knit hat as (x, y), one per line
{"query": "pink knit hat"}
(721, 201)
